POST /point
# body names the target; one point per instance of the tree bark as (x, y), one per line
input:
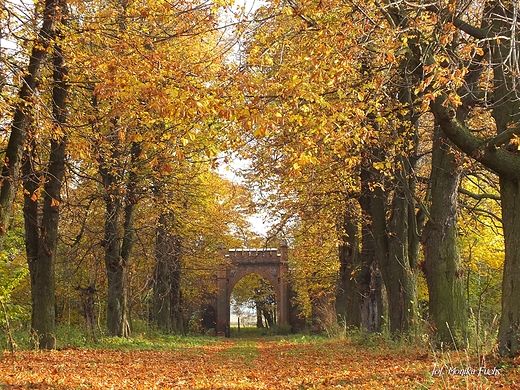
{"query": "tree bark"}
(130, 206)
(117, 305)
(370, 281)
(347, 297)
(118, 248)
(42, 231)
(87, 295)
(497, 154)
(116, 267)
(259, 319)
(269, 320)
(167, 298)
(509, 330)
(397, 267)
(23, 114)
(442, 264)
(394, 248)
(505, 113)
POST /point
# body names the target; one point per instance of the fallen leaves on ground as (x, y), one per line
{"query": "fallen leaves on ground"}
(250, 364)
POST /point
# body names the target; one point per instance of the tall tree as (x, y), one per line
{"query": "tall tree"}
(347, 296)
(370, 281)
(317, 115)
(117, 248)
(167, 311)
(442, 263)
(155, 88)
(41, 231)
(475, 56)
(24, 110)
(406, 218)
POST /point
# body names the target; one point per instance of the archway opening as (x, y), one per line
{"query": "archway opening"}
(253, 303)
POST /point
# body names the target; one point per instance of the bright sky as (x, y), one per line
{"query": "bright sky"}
(228, 172)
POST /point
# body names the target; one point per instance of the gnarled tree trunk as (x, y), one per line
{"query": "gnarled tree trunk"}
(500, 34)
(442, 264)
(369, 277)
(347, 297)
(167, 298)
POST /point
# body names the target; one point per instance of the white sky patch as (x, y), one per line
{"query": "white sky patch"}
(258, 221)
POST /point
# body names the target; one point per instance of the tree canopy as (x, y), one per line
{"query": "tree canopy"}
(381, 139)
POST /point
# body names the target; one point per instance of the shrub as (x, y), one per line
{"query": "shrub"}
(278, 330)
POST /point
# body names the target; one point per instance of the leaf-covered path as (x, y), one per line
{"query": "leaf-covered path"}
(248, 364)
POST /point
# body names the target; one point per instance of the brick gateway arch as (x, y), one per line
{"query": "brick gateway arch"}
(269, 263)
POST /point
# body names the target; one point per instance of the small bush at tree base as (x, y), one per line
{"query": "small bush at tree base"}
(278, 330)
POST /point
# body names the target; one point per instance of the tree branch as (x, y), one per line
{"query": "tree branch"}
(502, 138)
(475, 32)
(500, 161)
(479, 196)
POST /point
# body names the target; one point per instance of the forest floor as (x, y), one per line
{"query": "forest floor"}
(291, 362)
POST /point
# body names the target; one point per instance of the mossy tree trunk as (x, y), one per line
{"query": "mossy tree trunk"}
(509, 331)
(500, 154)
(167, 311)
(390, 218)
(369, 277)
(506, 116)
(398, 268)
(347, 297)
(442, 264)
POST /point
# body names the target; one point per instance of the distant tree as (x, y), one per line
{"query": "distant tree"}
(258, 294)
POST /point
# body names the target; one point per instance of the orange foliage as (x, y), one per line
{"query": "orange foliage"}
(235, 364)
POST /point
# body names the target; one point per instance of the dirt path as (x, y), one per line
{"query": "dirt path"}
(243, 364)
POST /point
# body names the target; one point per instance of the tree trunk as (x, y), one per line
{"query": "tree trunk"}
(116, 267)
(347, 297)
(509, 331)
(268, 317)
(128, 240)
(42, 231)
(117, 274)
(498, 154)
(505, 114)
(118, 249)
(167, 298)
(399, 269)
(370, 282)
(386, 240)
(259, 320)
(87, 295)
(23, 114)
(442, 265)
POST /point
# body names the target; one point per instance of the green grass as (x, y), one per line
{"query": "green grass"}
(243, 352)
(245, 332)
(149, 339)
(153, 342)
(72, 337)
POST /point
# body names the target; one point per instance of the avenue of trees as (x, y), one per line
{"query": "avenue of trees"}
(381, 137)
